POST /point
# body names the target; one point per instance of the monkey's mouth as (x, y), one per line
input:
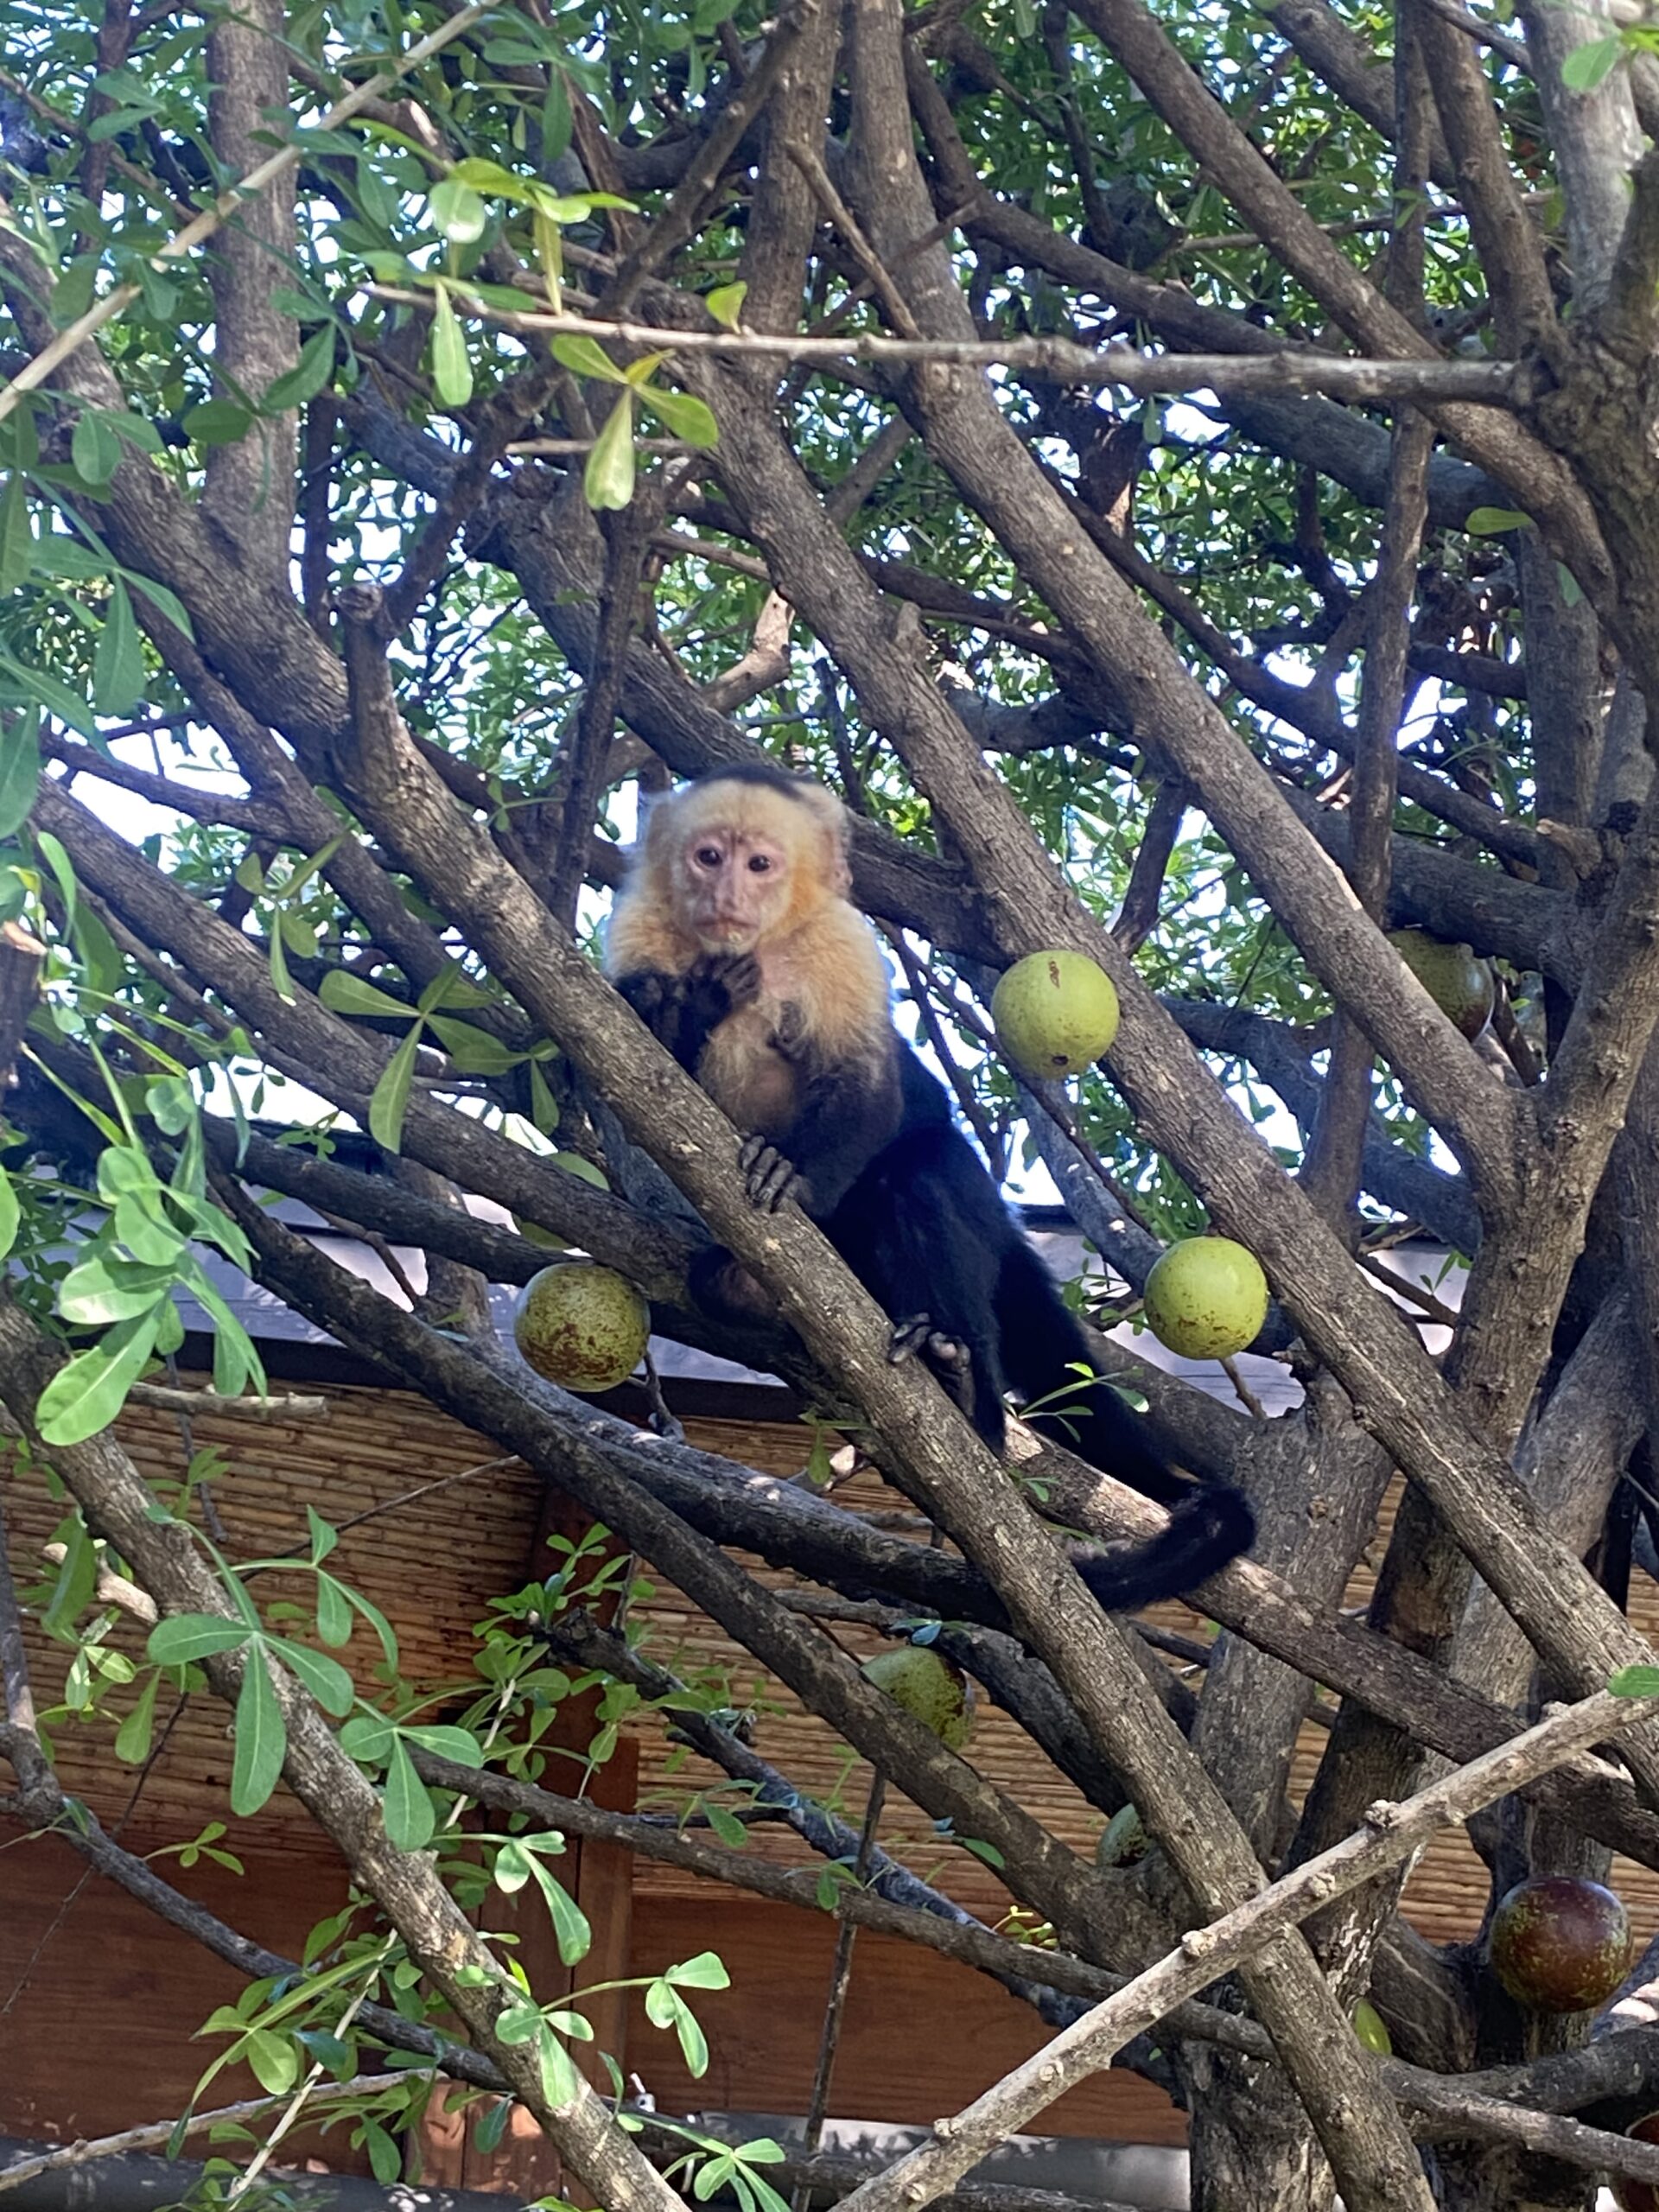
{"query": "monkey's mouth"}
(732, 936)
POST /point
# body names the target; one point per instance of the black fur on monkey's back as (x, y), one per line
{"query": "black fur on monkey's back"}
(924, 1229)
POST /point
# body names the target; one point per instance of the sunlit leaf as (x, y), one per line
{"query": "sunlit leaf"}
(608, 481)
(452, 372)
(261, 1737)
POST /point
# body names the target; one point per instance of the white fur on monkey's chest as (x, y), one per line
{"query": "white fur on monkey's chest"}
(742, 1069)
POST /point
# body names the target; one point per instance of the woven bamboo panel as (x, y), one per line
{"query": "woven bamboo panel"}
(449, 1527)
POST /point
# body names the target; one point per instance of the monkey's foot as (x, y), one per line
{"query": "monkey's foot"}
(949, 1358)
(769, 1177)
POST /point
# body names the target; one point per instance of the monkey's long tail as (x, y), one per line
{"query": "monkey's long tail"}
(1209, 1524)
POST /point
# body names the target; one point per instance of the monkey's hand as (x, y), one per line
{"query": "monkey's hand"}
(719, 982)
(659, 1000)
(947, 1356)
(769, 1177)
(789, 1039)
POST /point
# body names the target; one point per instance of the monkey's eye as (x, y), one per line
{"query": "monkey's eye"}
(707, 855)
(759, 864)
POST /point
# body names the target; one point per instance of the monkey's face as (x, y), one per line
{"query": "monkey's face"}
(733, 883)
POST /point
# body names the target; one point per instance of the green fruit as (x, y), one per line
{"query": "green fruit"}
(1206, 1298)
(1055, 1013)
(1372, 2028)
(582, 1327)
(1461, 986)
(1124, 1841)
(1560, 1944)
(936, 1692)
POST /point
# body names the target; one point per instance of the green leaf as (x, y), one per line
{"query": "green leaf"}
(216, 422)
(119, 663)
(452, 372)
(86, 1395)
(305, 378)
(1492, 522)
(342, 992)
(183, 1637)
(104, 1289)
(706, 1971)
(726, 1826)
(10, 1214)
(457, 211)
(1587, 66)
(608, 481)
(77, 1579)
(1636, 1682)
(587, 358)
(274, 2060)
(556, 117)
(17, 538)
(391, 1101)
(261, 1737)
(559, 2080)
(543, 1106)
(333, 1612)
(385, 2159)
(725, 304)
(326, 1679)
(94, 449)
(446, 1742)
(132, 1738)
(474, 1052)
(487, 176)
(367, 1738)
(411, 1816)
(686, 416)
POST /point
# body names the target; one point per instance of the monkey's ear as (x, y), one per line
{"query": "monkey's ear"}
(837, 830)
(655, 809)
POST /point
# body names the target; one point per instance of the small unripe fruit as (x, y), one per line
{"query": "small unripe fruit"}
(1124, 1841)
(1206, 1298)
(1372, 2028)
(936, 1692)
(1459, 984)
(582, 1327)
(1055, 1013)
(1639, 2196)
(1560, 1944)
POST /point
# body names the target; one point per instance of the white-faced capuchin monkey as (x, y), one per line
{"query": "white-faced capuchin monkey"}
(735, 940)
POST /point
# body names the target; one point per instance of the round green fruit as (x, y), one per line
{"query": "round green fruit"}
(1639, 2196)
(929, 1688)
(1055, 1013)
(1206, 1298)
(1371, 2029)
(1124, 1841)
(1560, 1944)
(1459, 984)
(581, 1325)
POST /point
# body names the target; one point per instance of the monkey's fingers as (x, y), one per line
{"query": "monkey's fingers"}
(908, 1337)
(769, 1177)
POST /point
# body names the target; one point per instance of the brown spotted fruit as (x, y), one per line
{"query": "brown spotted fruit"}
(1560, 1944)
(581, 1325)
(929, 1688)
(1459, 984)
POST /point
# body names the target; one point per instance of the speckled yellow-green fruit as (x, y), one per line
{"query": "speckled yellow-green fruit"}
(585, 1172)
(581, 1325)
(1372, 2028)
(1055, 1013)
(1459, 984)
(936, 1692)
(1207, 1298)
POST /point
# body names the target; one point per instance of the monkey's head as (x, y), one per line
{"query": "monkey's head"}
(746, 854)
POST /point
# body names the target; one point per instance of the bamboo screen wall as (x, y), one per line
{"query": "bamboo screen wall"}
(449, 1527)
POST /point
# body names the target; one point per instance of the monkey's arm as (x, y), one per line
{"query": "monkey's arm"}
(847, 1114)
